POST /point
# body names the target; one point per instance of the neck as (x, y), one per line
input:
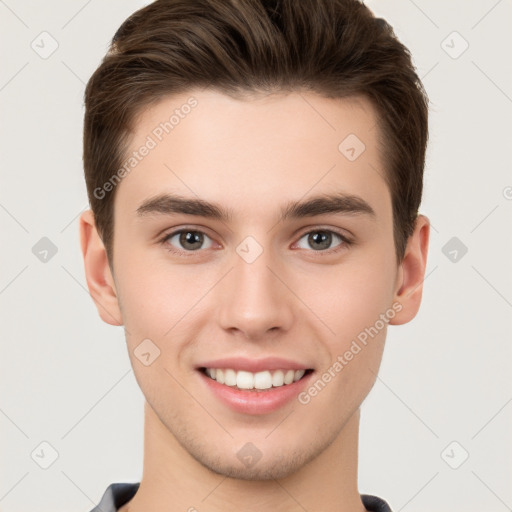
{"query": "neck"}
(174, 481)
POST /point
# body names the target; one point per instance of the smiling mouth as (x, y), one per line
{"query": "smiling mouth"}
(259, 381)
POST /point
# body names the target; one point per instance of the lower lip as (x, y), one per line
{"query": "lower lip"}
(255, 402)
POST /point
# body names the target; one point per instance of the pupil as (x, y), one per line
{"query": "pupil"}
(322, 241)
(191, 237)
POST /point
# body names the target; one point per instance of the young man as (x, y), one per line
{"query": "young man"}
(254, 169)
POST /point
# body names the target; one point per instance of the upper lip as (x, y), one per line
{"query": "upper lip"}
(254, 365)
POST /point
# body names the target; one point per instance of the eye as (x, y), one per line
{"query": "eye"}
(188, 240)
(322, 239)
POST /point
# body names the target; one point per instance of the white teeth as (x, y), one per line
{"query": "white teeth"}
(244, 380)
(298, 375)
(263, 380)
(260, 380)
(288, 376)
(211, 372)
(230, 377)
(278, 378)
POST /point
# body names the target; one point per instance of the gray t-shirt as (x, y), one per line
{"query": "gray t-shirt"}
(117, 494)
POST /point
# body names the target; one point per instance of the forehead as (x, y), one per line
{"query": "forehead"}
(251, 152)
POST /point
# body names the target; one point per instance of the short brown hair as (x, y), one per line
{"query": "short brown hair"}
(336, 48)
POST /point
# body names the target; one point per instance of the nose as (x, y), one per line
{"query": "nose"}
(254, 300)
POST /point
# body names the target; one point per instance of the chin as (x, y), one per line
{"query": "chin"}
(277, 468)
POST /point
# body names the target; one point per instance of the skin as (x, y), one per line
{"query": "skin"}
(294, 301)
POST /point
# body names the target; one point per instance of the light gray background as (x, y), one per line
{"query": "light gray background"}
(65, 376)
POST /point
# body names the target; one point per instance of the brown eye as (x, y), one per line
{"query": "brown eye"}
(188, 240)
(321, 240)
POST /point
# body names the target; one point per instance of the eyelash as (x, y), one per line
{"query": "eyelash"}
(345, 241)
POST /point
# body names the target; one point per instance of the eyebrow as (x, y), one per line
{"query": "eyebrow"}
(340, 203)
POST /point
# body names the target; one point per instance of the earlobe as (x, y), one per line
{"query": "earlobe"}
(97, 271)
(411, 274)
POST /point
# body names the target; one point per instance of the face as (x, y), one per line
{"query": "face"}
(255, 283)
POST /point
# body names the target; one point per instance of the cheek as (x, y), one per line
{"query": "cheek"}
(154, 297)
(355, 349)
(159, 309)
(348, 299)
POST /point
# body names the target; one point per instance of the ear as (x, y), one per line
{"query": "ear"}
(97, 271)
(411, 273)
